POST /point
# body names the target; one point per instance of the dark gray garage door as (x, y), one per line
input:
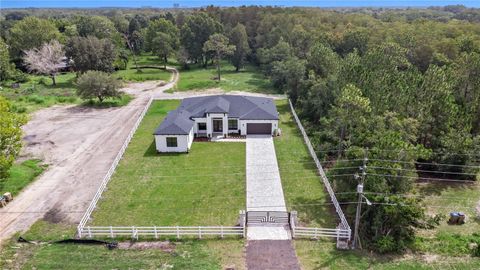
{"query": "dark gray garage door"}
(259, 128)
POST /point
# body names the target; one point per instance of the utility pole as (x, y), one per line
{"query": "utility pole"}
(363, 171)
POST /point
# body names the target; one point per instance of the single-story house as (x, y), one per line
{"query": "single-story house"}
(213, 116)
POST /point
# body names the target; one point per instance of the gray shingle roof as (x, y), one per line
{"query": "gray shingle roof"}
(179, 122)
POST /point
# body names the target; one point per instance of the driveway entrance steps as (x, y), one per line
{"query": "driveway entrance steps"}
(264, 187)
(271, 255)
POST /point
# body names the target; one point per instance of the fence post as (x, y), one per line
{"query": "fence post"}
(111, 232)
(293, 221)
(155, 232)
(79, 231)
(89, 232)
(199, 232)
(178, 233)
(221, 231)
(242, 221)
(316, 233)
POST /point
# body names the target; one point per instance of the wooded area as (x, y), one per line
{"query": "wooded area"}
(398, 87)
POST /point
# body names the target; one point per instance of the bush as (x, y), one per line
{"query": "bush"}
(18, 108)
(36, 99)
(386, 244)
(20, 77)
(42, 81)
(97, 84)
(476, 249)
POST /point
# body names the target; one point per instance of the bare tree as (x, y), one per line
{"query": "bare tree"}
(47, 59)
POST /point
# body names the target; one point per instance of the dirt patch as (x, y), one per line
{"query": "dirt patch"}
(79, 143)
(211, 91)
(271, 254)
(165, 246)
(54, 215)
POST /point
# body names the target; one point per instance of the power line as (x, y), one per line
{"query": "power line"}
(394, 150)
(427, 171)
(425, 163)
(423, 178)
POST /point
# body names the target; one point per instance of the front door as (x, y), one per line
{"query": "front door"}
(217, 125)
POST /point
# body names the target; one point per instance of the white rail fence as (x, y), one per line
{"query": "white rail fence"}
(108, 176)
(157, 232)
(312, 232)
(338, 209)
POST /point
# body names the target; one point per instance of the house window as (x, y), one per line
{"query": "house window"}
(172, 142)
(202, 126)
(232, 124)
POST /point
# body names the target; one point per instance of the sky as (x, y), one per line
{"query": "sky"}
(199, 3)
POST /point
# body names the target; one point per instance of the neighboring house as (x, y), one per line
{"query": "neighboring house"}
(213, 116)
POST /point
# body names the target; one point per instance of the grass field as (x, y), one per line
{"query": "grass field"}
(204, 254)
(21, 175)
(154, 72)
(203, 187)
(248, 79)
(39, 92)
(323, 255)
(301, 183)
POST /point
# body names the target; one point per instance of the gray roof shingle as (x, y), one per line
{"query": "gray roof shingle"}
(179, 122)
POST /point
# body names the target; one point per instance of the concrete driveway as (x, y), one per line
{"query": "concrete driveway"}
(264, 187)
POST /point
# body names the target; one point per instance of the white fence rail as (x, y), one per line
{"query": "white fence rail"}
(157, 232)
(324, 178)
(107, 177)
(312, 232)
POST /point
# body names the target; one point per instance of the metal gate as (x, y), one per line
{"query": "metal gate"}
(268, 217)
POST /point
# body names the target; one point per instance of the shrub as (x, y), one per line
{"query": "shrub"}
(36, 99)
(18, 108)
(97, 84)
(20, 77)
(42, 81)
(386, 244)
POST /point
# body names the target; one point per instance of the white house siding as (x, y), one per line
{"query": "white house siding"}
(195, 127)
(242, 125)
(190, 138)
(184, 142)
(210, 117)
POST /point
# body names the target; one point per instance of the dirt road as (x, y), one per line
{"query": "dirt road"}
(79, 144)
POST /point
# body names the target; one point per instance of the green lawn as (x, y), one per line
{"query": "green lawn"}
(196, 254)
(443, 198)
(145, 74)
(203, 187)
(303, 188)
(21, 175)
(39, 92)
(323, 255)
(248, 79)
(151, 68)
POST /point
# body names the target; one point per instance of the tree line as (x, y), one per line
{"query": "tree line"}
(404, 84)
